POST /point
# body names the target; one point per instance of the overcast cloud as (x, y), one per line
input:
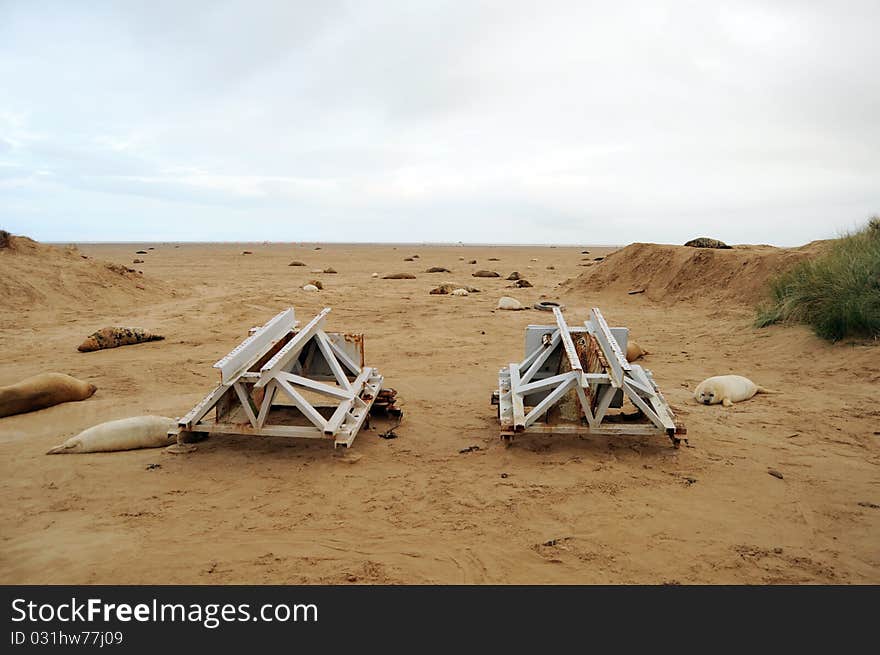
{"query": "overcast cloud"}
(522, 122)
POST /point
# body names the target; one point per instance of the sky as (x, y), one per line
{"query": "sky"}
(439, 121)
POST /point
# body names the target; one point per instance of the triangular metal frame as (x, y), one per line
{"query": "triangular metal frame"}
(595, 388)
(278, 361)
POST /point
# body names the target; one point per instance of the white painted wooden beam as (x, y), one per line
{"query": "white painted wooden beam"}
(245, 354)
(204, 406)
(573, 359)
(516, 399)
(617, 363)
(291, 349)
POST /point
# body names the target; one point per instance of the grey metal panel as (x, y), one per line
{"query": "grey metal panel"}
(621, 335)
(534, 334)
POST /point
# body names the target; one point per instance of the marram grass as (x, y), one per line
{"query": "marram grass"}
(837, 293)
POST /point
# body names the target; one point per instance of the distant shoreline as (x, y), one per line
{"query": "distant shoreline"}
(344, 243)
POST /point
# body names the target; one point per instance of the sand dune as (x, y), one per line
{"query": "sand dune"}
(35, 275)
(416, 509)
(677, 273)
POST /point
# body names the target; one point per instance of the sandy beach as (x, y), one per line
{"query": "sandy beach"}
(415, 509)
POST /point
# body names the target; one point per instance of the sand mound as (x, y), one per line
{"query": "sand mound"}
(35, 274)
(678, 273)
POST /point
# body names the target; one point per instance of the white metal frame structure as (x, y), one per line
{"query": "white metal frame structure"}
(594, 348)
(266, 383)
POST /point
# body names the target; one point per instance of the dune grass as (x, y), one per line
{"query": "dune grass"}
(837, 293)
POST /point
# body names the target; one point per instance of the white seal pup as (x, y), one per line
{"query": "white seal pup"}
(726, 389)
(123, 434)
(508, 303)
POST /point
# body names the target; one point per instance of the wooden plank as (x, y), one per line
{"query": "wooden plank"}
(248, 351)
(283, 357)
(302, 404)
(516, 399)
(573, 359)
(270, 352)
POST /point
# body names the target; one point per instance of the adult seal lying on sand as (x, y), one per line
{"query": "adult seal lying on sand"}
(706, 242)
(448, 287)
(634, 351)
(727, 389)
(113, 337)
(41, 391)
(124, 434)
